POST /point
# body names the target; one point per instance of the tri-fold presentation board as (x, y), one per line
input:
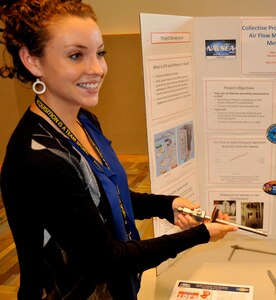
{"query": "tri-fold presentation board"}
(211, 113)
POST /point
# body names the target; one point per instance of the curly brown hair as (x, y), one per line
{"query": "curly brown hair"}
(25, 24)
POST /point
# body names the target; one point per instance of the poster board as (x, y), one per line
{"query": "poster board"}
(210, 99)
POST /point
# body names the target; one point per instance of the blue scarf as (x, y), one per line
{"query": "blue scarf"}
(112, 178)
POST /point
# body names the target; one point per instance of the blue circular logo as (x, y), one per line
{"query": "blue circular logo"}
(271, 133)
(270, 187)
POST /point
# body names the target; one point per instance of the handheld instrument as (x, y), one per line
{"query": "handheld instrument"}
(200, 215)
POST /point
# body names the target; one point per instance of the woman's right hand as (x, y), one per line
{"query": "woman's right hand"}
(218, 231)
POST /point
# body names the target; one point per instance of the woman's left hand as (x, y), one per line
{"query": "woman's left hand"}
(184, 221)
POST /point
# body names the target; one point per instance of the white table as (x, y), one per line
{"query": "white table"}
(209, 263)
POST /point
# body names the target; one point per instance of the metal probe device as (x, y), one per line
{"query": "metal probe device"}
(200, 215)
(237, 247)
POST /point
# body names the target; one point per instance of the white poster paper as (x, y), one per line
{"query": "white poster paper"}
(210, 98)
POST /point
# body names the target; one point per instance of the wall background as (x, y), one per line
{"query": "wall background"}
(121, 109)
(122, 16)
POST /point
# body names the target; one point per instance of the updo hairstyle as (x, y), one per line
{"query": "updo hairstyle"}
(25, 24)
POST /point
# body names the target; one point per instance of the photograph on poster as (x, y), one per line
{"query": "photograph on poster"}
(227, 207)
(252, 214)
(220, 49)
(250, 208)
(173, 147)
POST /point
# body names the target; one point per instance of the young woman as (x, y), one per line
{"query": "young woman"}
(66, 195)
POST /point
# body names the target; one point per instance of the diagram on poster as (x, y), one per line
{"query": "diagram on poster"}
(173, 147)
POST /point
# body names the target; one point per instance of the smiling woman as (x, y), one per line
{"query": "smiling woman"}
(72, 68)
(74, 231)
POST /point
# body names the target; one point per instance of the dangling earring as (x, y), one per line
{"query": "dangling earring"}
(40, 91)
